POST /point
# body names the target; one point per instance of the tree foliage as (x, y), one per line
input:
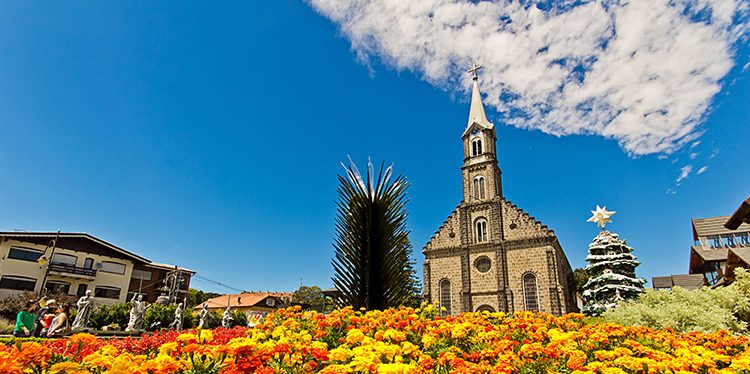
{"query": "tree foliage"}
(372, 263)
(580, 277)
(703, 310)
(311, 295)
(198, 297)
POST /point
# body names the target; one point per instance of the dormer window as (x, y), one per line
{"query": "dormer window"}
(476, 147)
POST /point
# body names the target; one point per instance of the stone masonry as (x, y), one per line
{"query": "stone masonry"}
(490, 254)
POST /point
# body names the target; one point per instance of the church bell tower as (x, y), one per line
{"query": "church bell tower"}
(481, 174)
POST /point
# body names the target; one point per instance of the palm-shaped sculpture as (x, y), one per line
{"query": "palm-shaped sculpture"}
(372, 264)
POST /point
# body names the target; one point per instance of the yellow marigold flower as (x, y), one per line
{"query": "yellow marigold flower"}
(339, 354)
(185, 337)
(68, 367)
(167, 348)
(396, 369)
(354, 336)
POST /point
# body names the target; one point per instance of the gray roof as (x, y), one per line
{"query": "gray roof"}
(687, 281)
(711, 254)
(715, 226)
(743, 253)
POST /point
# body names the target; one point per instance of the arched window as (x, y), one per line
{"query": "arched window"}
(486, 307)
(530, 297)
(481, 230)
(445, 297)
(479, 188)
(476, 147)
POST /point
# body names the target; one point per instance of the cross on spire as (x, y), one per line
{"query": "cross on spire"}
(473, 70)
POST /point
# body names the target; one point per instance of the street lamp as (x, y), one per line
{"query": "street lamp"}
(44, 260)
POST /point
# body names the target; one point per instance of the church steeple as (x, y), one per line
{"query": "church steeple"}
(481, 173)
(476, 111)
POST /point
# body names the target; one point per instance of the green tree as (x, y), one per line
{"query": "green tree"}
(312, 296)
(580, 277)
(372, 263)
(198, 297)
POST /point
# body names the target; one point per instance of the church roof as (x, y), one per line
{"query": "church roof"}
(476, 112)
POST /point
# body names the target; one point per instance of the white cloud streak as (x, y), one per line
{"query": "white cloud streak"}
(701, 170)
(684, 173)
(643, 72)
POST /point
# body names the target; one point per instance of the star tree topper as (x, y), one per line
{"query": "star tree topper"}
(600, 216)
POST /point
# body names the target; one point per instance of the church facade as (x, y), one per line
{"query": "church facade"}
(490, 254)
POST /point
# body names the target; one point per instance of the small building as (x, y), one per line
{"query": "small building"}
(73, 263)
(714, 247)
(717, 250)
(248, 301)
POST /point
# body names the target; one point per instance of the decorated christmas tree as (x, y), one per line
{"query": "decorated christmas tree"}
(611, 267)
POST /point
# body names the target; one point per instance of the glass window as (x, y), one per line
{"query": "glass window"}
(481, 230)
(530, 297)
(64, 259)
(107, 292)
(12, 282)
(445, 297)
(81, 290)
(88, 263)
(141, 274)
(57, 287)
(479, 188)
(476, 147)
(483, 264)
(26, 254)
(743, 239)
(112, 267)
(714, 241)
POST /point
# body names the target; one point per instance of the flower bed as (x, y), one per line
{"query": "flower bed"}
(393, 341)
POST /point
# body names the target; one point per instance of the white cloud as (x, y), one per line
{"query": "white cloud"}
(642, 72)
(684, 173)
(701, 170)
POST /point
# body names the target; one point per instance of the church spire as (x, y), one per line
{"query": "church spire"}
(476, 112)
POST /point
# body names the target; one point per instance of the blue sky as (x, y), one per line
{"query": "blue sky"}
(210, 136)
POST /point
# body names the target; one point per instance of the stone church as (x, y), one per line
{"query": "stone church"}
(490, 254)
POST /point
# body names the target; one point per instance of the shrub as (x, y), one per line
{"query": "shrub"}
(704, 310)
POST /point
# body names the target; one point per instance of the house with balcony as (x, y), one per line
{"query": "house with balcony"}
(74, 263)
(717, 250)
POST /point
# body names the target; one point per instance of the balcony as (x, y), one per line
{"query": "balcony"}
(72, 271)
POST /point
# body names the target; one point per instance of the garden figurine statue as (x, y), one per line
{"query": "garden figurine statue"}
(226, 319)
(203, 316)
(85, 305)
(177, 323)
(137, 311)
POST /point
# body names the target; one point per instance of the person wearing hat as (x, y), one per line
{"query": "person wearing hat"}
(47, 316)
(46, 307)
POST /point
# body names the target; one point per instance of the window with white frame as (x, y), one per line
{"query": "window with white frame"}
(141, 274)
(445, 297)
(55, 286)
(64, 259)
(479, 188)
(26, 254)
(476, 147)
(112, 267)
(481, 230)
(530, 297)
(107, 292)
(13, 282)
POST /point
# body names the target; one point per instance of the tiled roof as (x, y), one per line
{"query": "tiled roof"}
(743, 253)
(711, 254)
(715, 226)
(241, 300)
(687, 281)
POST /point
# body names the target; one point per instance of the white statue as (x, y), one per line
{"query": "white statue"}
(203, 316)
(85, 305)
(226, 319)
(177, 323)
(253, 319)
(137, 311)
